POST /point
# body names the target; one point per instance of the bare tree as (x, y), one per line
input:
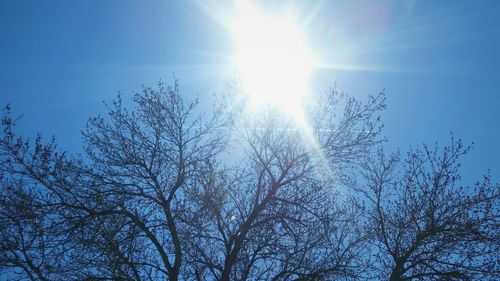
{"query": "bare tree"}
(28, 242)
(37, 241)
(152, 199)
(126, 199)
(425, 224)
(165, 192)
(145, 161)
(277, 215)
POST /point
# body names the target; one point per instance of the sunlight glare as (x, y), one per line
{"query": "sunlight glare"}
(273, 59)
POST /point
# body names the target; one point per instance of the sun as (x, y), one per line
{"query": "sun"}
(273, 59)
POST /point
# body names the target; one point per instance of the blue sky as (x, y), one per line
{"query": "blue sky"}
(438, 61)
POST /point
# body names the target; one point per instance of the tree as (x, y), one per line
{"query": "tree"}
(125, 200)
(424, 224)
(276, 215)
(167, 192)
(29, 241)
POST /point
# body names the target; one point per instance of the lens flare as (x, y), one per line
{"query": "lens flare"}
(273, 59)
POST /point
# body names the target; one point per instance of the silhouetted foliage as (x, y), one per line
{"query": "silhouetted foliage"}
(165, 192)
(425, 225)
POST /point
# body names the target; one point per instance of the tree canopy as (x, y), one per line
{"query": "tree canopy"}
(165, 191)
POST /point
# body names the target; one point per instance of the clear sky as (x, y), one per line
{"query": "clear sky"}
(438, 61)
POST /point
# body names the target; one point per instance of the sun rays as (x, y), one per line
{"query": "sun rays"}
(273, 59)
